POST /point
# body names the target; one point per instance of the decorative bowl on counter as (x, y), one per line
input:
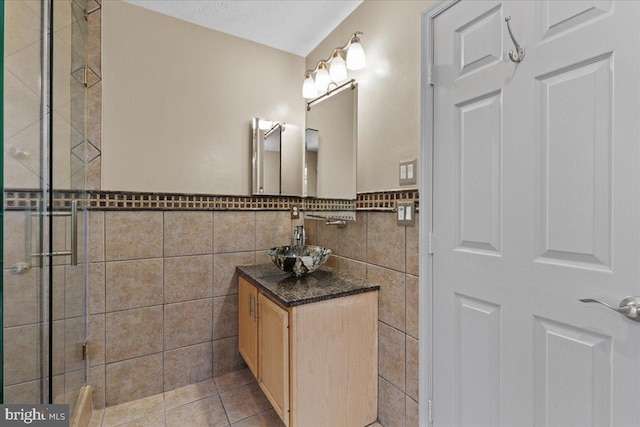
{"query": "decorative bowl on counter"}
(299, 260)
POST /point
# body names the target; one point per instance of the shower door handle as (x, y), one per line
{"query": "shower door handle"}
(629, 306)
(74, 234)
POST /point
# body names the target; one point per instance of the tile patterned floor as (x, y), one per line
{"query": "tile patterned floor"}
(234, 399)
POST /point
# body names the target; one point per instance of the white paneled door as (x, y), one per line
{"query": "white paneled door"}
(536, 204)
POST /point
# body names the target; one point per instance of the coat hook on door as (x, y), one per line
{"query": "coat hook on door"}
(518, 55)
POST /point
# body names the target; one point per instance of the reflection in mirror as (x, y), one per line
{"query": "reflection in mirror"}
(330, 150)
(277, 158)
(266, 156)
(311, 143)
(334, 122)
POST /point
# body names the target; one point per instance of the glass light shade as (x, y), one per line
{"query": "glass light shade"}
(355, 56)
(309, 88)
(338, 69)
(322, 78)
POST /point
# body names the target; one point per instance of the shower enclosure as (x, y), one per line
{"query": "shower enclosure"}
(44, 148)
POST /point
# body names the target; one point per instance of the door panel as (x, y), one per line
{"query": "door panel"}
(572, 383)
(538, 165)
(574, 118)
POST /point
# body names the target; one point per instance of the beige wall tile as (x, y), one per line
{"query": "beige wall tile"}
(262, 257)
(385, 241)
(187, 323)
(133, 235)
(59, 344)
(391, 300)
(94, 114)
(96, 339)
(413, 249)
(226, 357)
(93, 174)
(391, 405)
(22, 107)
(225, 279)
(73, 337)
(22, 393)
(14, 238)
(58, 389)
(354, 268)
(133, 379)
(234, 231)
(352, 240)
(273, 229)
(94, 47)
(20, 295)
(133, 333)
(58, 292)
(187, 278)
(188, 233)
(391, 355)
(74, 290)
(311, 230)
(96, 236)
(20, 359)
(207, 412)
(22, 26)
(413, 306)
(225, 316)
(187, 365)
(413, 416)
(412, 368)
(96, 283)
(327, 236)
(73, 383)
(96, 381)
(133, 284)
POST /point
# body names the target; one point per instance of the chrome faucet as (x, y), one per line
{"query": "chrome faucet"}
(299, 236)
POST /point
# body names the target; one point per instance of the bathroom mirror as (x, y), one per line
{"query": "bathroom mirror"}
(330, 146)
(277, 158)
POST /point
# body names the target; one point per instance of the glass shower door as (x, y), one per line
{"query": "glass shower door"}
(44, 220)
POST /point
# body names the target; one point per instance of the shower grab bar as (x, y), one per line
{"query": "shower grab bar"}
(74, 233)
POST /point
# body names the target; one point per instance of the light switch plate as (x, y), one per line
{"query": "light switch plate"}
(406, 214)
(408, 172)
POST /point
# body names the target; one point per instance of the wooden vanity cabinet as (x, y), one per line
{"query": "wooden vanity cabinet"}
(248, 324)
(317, 363)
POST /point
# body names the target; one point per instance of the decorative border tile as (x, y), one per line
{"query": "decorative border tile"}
(21, 199)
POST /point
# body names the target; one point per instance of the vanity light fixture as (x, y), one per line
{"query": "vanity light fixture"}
(334, 70)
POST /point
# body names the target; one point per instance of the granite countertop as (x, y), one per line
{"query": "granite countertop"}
(289, 290)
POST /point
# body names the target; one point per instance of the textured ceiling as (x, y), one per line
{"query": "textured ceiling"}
(295, 26)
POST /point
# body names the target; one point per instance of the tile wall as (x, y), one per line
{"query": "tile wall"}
(163, 295)
(376, 249)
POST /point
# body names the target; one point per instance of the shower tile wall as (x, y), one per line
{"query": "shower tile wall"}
(376, 249)
(163, 295)
(21, 169)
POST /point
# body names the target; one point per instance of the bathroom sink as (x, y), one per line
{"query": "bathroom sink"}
(299, 259)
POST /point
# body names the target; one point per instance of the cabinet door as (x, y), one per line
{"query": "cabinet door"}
(248, 324)
(274, 355)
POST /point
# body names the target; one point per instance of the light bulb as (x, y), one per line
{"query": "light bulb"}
(309, 88)
(355, 55)
(338, 68)
(322, 78)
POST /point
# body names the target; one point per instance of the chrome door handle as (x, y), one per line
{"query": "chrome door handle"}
(629, 306)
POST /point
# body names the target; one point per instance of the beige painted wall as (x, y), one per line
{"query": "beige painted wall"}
(178, 100)
(388, 89)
